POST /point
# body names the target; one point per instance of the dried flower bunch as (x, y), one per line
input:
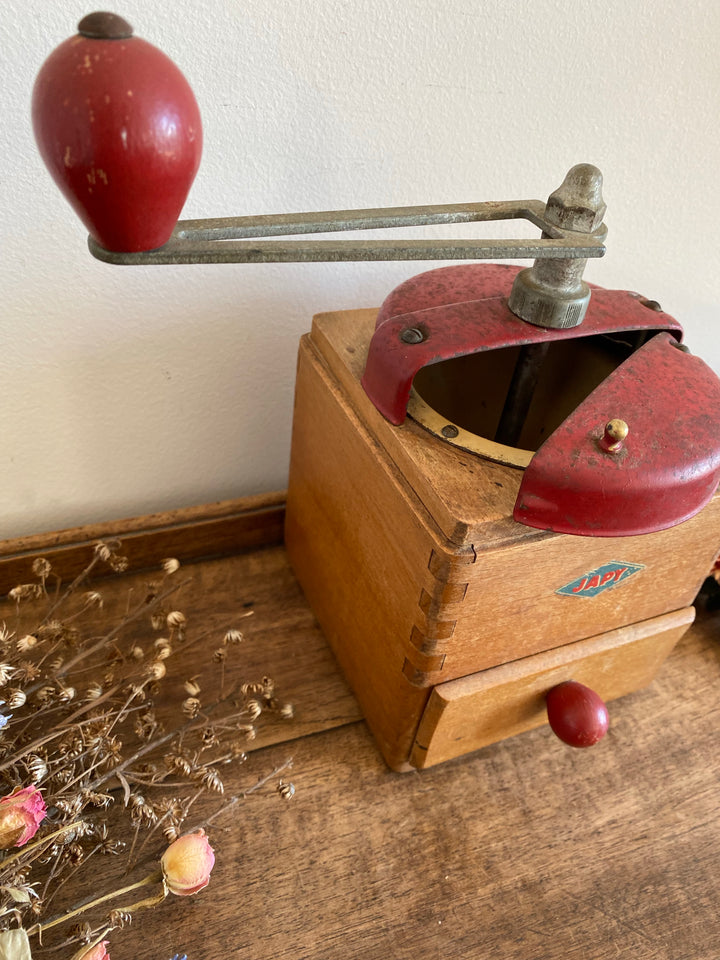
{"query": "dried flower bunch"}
(105, 751)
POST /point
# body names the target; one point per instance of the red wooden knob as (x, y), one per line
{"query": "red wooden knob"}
(576, 714)
(119, 130)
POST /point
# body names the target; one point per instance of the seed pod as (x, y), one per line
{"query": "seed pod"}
(286, 790)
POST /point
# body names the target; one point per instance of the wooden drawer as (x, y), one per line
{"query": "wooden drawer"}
(471, 712)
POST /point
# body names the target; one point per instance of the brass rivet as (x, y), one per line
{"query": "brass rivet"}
(616, 432)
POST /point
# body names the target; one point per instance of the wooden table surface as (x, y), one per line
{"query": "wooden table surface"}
(527, 849)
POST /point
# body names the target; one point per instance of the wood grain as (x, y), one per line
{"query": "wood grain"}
(461, 497)
(360, 563)
(490, 630)
(524, 849)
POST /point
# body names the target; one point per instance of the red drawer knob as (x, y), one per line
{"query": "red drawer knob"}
(576, 714)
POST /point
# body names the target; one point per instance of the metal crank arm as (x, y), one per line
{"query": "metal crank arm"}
(230, 239)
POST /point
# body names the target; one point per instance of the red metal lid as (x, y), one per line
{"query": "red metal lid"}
(587, 478)
(462, 310)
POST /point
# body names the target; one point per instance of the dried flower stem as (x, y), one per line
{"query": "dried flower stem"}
(154, 877)
(78, 955)
(51, 873)
(41, 741)
(47, 900)
(246, 793)
(154, 744)
(72, 587)
(156, 826)
(31, 847)
(80, 698)
(140, 610)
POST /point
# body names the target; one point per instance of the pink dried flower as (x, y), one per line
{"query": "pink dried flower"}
(21, 813)
(98, 952)
(187, 864)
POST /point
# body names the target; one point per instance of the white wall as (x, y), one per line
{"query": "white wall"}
(130, 390)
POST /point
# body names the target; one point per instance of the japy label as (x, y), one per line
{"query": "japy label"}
(603, 578)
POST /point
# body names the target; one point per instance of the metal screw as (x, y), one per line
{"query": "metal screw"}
(450, 431)
(412, 335)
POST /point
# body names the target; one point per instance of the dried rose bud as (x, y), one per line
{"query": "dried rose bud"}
(187, 864)
(171, 565)
(176, 619)
(98, 952)
(192, 687)
(21, 813)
